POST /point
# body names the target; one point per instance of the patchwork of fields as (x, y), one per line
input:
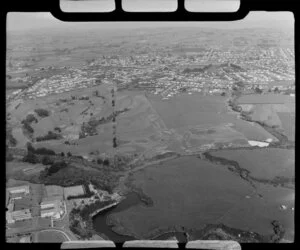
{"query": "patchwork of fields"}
(273, 110)
(147, 124)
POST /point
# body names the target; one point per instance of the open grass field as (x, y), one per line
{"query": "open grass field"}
(191, 192)
(50, 237)
(288, 124)
(263, 163)
(27, 168)
(273, 110)
(266, 99)
(152, 123)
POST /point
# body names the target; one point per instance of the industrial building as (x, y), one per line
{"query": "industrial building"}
(20, 190)
(20, 215)
(52, 207)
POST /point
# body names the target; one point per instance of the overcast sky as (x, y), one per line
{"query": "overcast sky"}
(27, 21)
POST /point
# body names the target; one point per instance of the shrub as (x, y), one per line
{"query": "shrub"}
(42, 112)
(29, 119)
(30, 148)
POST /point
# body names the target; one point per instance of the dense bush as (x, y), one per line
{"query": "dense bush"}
(44, 151)
(28, 128)
(55, 167)
(99, 161)
(69, 176)
(42, 112)
(29, 119)
(31, 158)
(50, 136)
(58, 129)
(47, 160)
(30, 148)
(106, 162)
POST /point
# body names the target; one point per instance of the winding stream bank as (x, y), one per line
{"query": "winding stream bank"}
(115, 231)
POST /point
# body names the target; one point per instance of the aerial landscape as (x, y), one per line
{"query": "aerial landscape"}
(122, 131)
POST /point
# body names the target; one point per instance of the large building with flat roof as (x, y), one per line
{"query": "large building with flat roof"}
(52, 207)
(20, 215)
(20, 190)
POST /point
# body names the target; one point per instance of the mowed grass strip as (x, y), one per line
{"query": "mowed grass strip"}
(51, 236)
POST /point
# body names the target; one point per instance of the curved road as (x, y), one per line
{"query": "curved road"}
(56, 230)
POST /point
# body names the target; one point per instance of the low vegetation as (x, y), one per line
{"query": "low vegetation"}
(87, 193)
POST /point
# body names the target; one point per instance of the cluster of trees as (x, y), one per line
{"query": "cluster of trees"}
(32, 153)
(10, 140)
(50, 136)
(58, 129)
(42, 112)
(257, 90)
(234, 106)
(56, 166)
(84, 98)
(29, 119)
(27, 123)
(104, 162)
(89, 128)
(39, 151)
(201, 70)
(83, 230)
(70, 176)
(31, 158)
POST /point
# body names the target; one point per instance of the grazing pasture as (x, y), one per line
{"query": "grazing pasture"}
(191, 192)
